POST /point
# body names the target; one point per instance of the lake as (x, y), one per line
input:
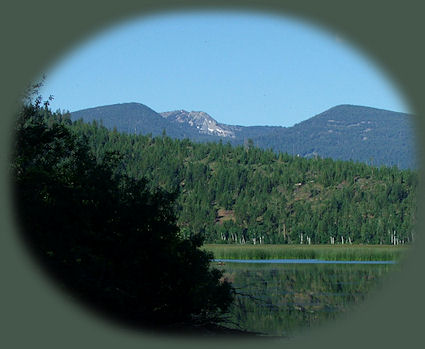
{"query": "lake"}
(282, 298)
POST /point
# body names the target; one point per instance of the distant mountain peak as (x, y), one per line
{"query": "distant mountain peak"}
(199, 120)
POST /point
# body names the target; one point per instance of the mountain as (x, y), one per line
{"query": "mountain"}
(345, 132)
(348, 132)
(129, 118)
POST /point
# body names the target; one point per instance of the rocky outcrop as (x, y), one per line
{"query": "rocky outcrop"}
(200, 120)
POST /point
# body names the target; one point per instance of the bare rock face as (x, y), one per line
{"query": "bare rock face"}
(200, 120)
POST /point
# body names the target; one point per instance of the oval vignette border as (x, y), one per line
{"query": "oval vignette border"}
(35, 315)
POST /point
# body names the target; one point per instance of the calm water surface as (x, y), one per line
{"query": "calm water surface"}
(282, 298)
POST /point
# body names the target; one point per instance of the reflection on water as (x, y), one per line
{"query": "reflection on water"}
(280, 299)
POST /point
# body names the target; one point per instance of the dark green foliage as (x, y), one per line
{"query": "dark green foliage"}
(244, 194)
(109, 238)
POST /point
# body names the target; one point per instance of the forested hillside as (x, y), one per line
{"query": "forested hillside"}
(243, 194)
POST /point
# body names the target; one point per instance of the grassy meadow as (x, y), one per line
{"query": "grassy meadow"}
(322, 252)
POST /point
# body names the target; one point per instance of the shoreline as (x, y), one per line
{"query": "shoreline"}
(330, 253)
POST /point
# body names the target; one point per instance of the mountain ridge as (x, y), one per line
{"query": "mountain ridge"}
(346, 132)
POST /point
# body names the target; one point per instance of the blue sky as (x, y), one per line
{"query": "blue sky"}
(241, 68)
